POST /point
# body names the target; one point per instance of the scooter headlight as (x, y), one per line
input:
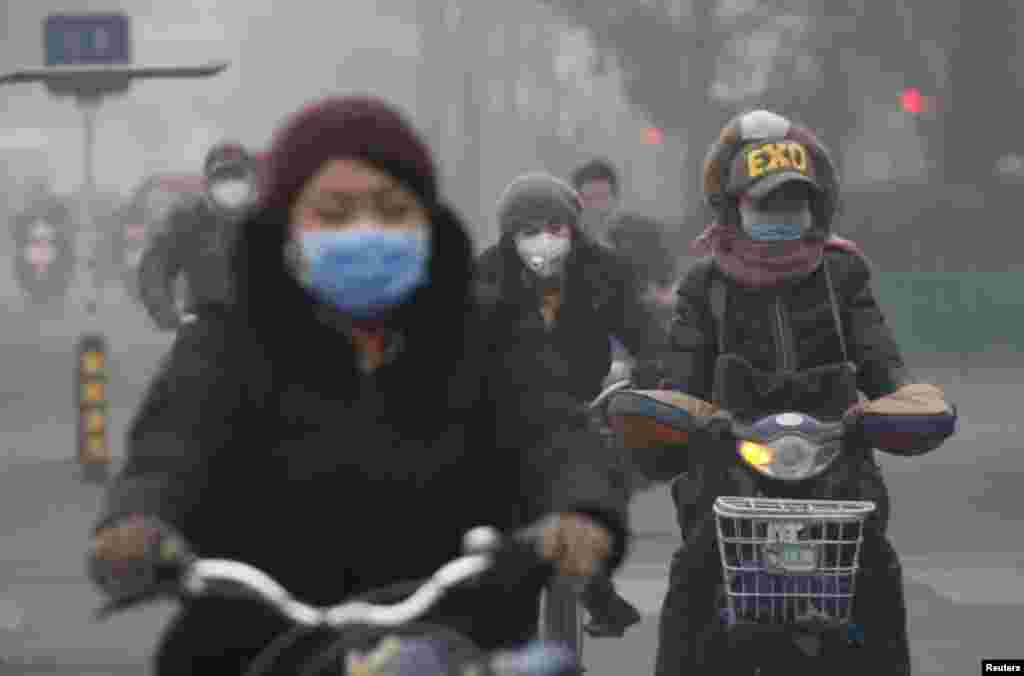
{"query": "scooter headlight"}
(789, 457)
(757, 455)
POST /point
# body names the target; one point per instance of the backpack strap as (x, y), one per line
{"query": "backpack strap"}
(717, 299)
(833, 301)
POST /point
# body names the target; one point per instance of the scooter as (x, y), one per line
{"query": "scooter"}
(789, 562)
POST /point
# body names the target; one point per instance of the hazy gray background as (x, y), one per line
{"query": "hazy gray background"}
(504, 87)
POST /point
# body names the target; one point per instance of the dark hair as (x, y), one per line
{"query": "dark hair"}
(596, 170)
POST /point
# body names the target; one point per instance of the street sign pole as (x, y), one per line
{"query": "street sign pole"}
(89, 109)
(88, 57)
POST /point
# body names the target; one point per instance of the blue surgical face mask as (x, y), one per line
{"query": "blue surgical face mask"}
(365, 270)
(776, 225)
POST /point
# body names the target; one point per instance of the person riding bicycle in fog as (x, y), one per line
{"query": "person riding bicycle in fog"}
(796, 307)
(641, 241)
(559, 298)
(196, 238)
(342, 423)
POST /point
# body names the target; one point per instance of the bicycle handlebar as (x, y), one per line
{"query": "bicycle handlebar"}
(235, 579)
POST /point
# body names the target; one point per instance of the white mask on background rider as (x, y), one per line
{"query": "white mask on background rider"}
(544, 249)
(778, 218)
(232, 193)
(538, 212)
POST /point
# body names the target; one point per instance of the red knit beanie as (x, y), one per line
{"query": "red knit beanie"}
(362, 128)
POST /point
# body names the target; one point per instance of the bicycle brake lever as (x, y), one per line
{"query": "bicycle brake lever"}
(164, 590)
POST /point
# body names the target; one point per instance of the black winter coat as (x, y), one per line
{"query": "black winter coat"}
(261, 440)
(645, 243)
(194, 241)
(790, 328)
(602, 300)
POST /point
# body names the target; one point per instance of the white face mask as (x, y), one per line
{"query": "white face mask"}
(545, 253)
(231, 194)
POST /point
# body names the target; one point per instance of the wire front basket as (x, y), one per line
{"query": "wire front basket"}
(789, 561)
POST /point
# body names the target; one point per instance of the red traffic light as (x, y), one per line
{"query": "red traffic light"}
(912, 101)
(652, 136)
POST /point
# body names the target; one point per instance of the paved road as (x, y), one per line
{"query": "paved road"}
(957, 518)
(45, 602)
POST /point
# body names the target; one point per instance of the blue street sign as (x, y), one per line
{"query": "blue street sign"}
(87, 39)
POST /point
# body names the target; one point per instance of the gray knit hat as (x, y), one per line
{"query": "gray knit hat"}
(537, 199)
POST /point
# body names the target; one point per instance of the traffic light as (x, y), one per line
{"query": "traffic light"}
(913, 101)
(92, 403)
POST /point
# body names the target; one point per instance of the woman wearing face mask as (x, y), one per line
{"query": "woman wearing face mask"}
(560, 297)
(342, 424)
(781, 297)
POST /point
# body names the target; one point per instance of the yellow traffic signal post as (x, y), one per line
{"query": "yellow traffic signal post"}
(93, 406)
(89, 57)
